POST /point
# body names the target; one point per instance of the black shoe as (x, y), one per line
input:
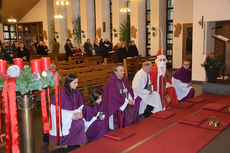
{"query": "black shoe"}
(148, 111)
(71, 148)
(46, 138)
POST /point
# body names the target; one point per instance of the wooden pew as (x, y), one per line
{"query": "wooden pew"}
(91, 76)
(132, 65)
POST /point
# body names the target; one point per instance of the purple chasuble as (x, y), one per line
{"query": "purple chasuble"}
(76, 134)
(97, 129)
(114, 98)
(183, 75)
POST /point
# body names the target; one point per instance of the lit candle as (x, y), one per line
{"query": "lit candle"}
(45, 63)
(36, 66)
(3, 66)
(19, 63)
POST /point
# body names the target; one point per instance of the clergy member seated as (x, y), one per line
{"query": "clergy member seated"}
(162, 83)
(73, 129)
(93, 116)
(182, 82)
(150, 100)
(118, 101)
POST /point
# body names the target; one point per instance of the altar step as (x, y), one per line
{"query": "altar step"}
(216, 88)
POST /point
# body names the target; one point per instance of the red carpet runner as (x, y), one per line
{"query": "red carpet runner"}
(168, 132)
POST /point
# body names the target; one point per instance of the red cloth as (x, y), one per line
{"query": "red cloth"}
(171, 90)
(163, 114)
(214, 106)
(160, 53)
(184, 105)
(119, 134)
(195, 100)
(180, 138)
(193, 119)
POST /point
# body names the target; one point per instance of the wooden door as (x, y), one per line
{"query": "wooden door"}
(187, 42)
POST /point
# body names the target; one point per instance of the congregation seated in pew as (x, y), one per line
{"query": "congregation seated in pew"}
(182, 82)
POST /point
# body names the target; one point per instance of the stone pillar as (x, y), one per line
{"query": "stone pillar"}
(1, 33)
(73, 12)
(103, 17)
(50, 23)
(158, 20)
(87, 11)
(61, 26)
(118, 17)
(138, 21)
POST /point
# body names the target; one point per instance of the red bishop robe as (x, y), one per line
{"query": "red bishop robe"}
(169, 94)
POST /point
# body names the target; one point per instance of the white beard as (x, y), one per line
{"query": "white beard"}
(161, 68)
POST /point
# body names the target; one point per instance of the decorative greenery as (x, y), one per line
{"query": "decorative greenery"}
(77, 29)
(25, 82)
(125, 32)
(213, 61)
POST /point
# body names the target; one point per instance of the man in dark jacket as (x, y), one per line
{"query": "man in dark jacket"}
(68, 49)
(132, 50)
(23, 52)
(88, 48)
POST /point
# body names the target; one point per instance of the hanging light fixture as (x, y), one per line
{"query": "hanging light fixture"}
(125, 10)
(62, 2)
(12, 20)
(58, 16)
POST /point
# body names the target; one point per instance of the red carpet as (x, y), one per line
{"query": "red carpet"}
(151, 126)
(181, 138)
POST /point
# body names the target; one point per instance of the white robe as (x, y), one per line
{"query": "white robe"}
(138, 85)
(182, 88)
(66, 120)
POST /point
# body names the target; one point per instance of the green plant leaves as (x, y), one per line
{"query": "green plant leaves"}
(125, 32)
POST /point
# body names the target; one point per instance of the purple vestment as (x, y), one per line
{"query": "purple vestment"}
(76, 134)
(97, 129)
(114, 98)
(184, 76)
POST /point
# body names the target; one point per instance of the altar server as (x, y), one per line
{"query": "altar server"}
(182, 82)
(93, 116)
(73, 129)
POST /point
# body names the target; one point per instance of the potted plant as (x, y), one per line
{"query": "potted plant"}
(213, 64)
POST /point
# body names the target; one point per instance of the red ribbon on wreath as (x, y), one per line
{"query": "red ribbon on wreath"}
(10, 115)
(57, 103)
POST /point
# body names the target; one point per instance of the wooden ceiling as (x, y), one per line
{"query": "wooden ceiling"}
(15, 8)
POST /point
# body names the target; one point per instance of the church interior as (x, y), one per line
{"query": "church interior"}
(105, 49)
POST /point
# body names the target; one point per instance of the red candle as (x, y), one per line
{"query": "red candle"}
(3, 66)
(19, 63)
(36, 66)
(45, 63)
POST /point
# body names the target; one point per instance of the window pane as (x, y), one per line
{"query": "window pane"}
(169, 35)
(170, 14)
(169, 41)
(170, 3)
(6, 35)
(12, 28)
(13, 35)
(148, 4)
(5, 27)
(170, 26)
